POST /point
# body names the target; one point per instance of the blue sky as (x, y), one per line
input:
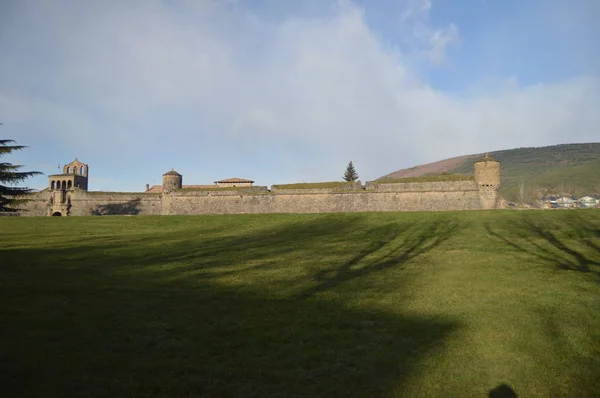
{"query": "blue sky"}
(290, 91)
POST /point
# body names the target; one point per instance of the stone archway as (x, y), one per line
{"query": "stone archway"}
(56, 214)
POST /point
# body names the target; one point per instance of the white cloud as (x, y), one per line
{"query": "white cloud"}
(320, 90)
(426, 39)
(438, 40)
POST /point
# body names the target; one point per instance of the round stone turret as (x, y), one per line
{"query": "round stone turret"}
(487, 172)
(172, 180)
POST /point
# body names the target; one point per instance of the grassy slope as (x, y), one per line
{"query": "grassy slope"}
(365, 305)
(569, 168)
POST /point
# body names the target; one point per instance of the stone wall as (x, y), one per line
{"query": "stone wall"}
(425, 196)
(489, 198)
(350, 187)
(38, 204)
(82, 203)
(446, 186)
(115, 203)
(180, 203)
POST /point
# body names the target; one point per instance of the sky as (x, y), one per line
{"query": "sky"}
(283, 91)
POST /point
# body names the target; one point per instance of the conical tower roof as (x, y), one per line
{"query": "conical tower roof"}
(486, 158)
(172, 173)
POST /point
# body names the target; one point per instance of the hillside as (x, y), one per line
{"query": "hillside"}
(566, 168)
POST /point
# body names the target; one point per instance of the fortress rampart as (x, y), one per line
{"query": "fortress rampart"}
(432, 186)
(174, 198)
(309, 202)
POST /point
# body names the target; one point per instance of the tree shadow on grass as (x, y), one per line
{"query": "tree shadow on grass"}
(129, 208)
(564, 241)
(391, 246)
(570, 244)
(222, 251)
(108, 333)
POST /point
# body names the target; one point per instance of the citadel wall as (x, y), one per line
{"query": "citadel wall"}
(115, 203)
(186, 203)
(350, 187)
(479, 193)
(82, 203)
(37, 204)
(428, 196)
(469, 185)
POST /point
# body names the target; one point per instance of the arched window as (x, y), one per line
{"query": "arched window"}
(53, 185)
(68, 169)
(69, 184)
(82, 170)
(64, 185)
(57, 184)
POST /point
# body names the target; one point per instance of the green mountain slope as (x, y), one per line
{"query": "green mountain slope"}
(528, 173)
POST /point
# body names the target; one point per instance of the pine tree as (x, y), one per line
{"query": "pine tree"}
(10, 196)
(350, 175)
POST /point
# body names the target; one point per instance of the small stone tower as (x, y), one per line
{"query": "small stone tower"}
(172, 180)
(487, 172)
(487, 177)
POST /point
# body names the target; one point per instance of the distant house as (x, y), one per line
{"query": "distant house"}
(565, 201)
(548, 201)
(587, 201)
(154, 188)
(234, 182)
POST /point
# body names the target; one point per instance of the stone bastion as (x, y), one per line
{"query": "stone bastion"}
(67, 195)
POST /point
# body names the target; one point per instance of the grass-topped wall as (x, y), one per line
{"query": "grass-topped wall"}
(428, 178)
(313, 185)
(109, 193)
(220, 189)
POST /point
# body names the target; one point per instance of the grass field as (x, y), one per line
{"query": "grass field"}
(365, 305)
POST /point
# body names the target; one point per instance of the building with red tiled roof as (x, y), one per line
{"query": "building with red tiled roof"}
(234, 182)
(154, 188)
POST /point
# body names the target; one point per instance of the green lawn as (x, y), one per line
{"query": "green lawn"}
(364, 305)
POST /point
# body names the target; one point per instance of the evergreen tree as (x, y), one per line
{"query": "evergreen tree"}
(350, 175)
(10, 195)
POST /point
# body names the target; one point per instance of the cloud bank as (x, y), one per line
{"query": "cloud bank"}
(219, 89)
